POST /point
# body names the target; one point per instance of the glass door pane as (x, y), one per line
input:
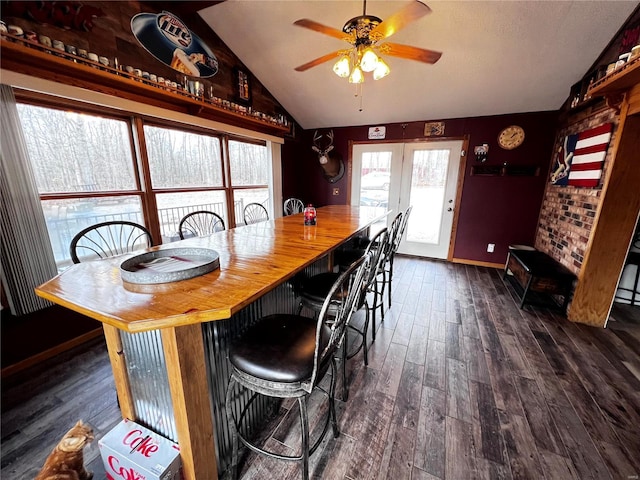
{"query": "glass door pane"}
(375, 182)
(429, 183)
(375, 179)
(428, 179)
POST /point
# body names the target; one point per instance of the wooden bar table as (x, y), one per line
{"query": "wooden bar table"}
(168, 342)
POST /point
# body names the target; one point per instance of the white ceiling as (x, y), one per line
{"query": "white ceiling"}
(498, 56)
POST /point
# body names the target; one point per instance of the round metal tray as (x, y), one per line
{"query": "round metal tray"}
(169, 265)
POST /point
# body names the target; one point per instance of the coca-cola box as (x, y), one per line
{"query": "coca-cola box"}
(132, 452)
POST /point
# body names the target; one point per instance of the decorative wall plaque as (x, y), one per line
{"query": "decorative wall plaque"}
(242, 87)
(579, 159)
(433, 129)
(377, 133)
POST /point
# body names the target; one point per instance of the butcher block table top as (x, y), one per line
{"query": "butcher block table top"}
(253, 260)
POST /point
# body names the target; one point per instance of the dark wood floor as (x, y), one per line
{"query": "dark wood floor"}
(461, 384)
(39, 405)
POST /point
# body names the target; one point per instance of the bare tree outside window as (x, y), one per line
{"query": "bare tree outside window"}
(250, 165)
(183, 159)
(74, 153)
(87, 172)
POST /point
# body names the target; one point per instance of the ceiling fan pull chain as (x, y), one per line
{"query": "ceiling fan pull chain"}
(359, 94)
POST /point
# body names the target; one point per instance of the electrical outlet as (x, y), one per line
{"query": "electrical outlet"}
(336, 191)
(491, 247)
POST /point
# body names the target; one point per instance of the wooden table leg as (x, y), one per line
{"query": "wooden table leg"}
(119, 368)
(186, 368)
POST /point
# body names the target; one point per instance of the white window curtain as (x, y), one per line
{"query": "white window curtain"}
(27, 258)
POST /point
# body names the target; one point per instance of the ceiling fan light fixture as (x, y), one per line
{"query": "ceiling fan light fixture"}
(381, 70)
(369, 60)
(342, 67)
(356, 75)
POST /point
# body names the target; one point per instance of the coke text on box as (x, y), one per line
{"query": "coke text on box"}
(132, 452)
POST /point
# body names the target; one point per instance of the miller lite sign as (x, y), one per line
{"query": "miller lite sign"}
(168, 38)
(132, 452)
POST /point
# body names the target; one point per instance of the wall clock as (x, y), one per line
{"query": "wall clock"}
(511, 137)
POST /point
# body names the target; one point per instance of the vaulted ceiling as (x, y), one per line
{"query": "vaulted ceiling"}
(498, 56)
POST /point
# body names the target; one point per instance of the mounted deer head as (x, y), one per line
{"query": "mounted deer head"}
(331, 164)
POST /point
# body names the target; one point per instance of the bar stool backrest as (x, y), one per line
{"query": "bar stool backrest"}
(293, 205)
(378, 245)
(254, 213)
(403, 226)
(202, 222)
(109, 239)
(394, 234)
(337, 309)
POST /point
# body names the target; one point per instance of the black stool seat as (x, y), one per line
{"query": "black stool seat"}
(345, 257)
(279, 349)
(315, 288)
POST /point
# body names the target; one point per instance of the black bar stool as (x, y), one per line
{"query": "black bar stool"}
(384, 278)
(396, 244)
(313, 291)
(286, 356)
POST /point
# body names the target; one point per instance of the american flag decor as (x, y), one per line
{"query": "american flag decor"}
(588, 156)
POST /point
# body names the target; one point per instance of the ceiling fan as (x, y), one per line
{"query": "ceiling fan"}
(366, 33)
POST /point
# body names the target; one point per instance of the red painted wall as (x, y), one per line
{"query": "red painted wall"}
(502, 210)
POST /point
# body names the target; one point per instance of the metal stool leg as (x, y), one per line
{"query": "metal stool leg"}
(345, 387)
(332, 399)
(390, 279)
(304, 425)
(234, 431)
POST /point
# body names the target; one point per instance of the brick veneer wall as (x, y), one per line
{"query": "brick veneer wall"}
(567, 213)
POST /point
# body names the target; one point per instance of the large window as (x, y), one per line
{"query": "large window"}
(250, 176)
(183, 159)
(84, 169)
(88, 171)
(180, 160)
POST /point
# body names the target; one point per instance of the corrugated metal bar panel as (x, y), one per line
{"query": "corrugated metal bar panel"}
(149, 382)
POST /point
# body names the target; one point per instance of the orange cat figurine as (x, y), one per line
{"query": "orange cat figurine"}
(66, 461)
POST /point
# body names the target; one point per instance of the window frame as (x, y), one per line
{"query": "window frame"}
(141, 168)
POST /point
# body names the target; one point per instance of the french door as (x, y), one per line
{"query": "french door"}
(425, 175)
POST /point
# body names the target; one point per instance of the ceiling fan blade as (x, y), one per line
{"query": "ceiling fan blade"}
(410, 53)
(400, 19)
(318, 27)
(318, 61)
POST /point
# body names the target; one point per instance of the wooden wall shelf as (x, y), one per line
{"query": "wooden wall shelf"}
(621, 79)
(505, 170)
(32, 60)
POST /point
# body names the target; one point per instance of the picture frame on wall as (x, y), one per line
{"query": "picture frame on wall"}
(242, 86)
